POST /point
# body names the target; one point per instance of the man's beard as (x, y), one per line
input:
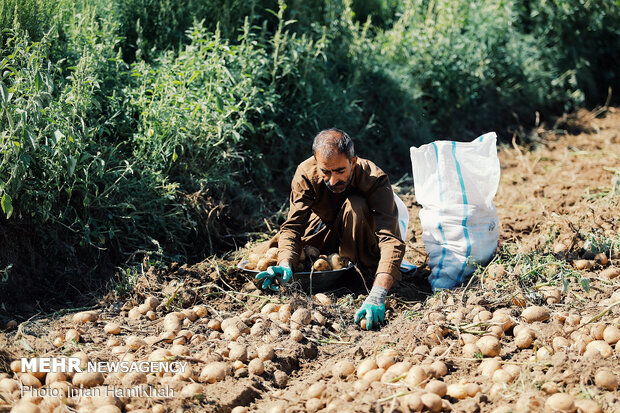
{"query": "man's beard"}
(340, 186)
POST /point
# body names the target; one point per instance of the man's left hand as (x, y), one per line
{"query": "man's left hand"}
(373, 308)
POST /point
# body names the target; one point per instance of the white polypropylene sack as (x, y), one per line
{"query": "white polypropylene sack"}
(403, 217)
(403, 222)
(455, 182)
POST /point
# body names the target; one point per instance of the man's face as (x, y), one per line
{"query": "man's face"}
(336, 170)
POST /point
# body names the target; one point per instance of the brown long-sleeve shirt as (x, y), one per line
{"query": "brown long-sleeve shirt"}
(310, 194)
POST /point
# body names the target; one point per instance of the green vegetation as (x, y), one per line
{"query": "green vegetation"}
(156, 126)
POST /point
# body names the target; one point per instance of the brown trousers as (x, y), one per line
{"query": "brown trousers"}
(352, 235)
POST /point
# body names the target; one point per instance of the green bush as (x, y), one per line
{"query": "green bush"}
(32, 16)
(471, 69)
(581, 38)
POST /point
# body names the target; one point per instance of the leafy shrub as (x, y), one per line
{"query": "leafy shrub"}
(32, 16)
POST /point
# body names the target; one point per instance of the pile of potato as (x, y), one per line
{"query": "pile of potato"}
(420, 381)
(309, 259)
(220, 346)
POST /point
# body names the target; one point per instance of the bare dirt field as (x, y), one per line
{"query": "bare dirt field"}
(536, 330)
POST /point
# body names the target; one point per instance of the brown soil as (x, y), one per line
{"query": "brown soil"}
(557, 203)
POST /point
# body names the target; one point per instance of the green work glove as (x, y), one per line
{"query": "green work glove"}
(373, 308)
(277, 272)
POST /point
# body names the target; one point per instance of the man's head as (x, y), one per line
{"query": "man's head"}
(335, 156)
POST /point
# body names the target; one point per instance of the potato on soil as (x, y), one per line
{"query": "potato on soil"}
(134, 342)
(365, 366)
(9, 385)
(588, 406)
(373, 375)
(496, 271)
(72, 335)
(396, 372)
(314, 405)
(238, 352)
(343, 369)
(483, 315)
(301, 316)
(266, 352)
(254, 258)
(502, 376)
(535, 313)
(601, 258)
(438, 369)
(214, 372)
(144, 308)
(134, 314)
(85, 317)
(606, 379)
(384, 361)
(88, 379)
(319, 318)
(432, 402)
(416, 376)
(133, 378)
(611, 334)
(323, 299)
(583, 264)
(215, 325)
(470, 350)
(488, 367)
(28, 379)
(502, 319)
(560, 402)
(54, 377)
(512, 369)
(553, 295)
(192, 389)
(457, 391)
(550, 388)
(172, 322)
(523, 340)
(161, 354)
(267, 309)
(296, 335)
(436, 386)
(232, 333)
(256, 367)
(112, 328)
(412, 402)
(601, 346)
(596, 330)
(316, 390)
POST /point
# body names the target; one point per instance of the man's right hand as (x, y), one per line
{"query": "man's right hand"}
(282, 273)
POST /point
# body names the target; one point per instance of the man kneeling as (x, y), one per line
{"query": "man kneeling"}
(341, 203)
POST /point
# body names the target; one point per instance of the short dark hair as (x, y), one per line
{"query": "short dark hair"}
(333, 140)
